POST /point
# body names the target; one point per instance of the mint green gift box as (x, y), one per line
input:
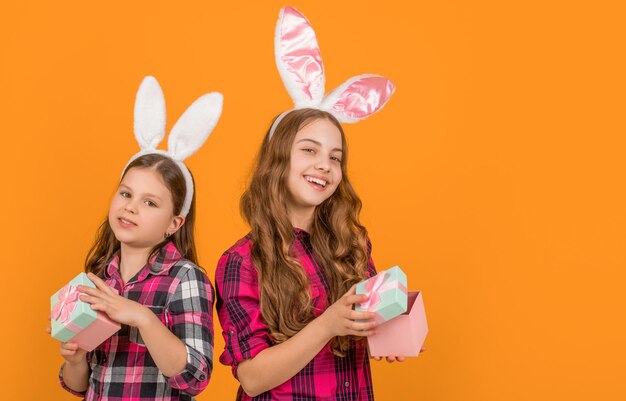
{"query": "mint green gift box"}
(388, 294)
(80, 316)
(75, 320)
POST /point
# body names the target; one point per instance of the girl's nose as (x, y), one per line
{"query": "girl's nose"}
(322, 165)
(130, 207)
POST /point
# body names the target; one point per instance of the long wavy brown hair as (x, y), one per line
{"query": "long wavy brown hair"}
(106, 245)
(338, 239)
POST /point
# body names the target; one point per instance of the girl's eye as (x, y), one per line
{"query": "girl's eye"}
(309, 150)
(150, 203)
(125, 194)
(336, 159)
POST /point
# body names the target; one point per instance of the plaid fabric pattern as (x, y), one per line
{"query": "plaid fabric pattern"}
(326, 377)
(180, 294)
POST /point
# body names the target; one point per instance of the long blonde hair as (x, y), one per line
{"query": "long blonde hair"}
(338, 239)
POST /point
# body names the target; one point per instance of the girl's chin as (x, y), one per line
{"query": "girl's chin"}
(304, 208)
(129, 241)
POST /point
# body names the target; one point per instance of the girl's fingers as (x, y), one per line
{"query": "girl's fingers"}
(96, 280)
(95, 303)
(88, 298)
(354, 299)
(361, 333)
(362, 326)
(350, 302)
(98, 307)
(83, 289)
(390, 358)
(101, 285)
(354, 315)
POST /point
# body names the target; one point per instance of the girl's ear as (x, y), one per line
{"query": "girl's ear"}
(298, 58)
(149, 114)
(176, 223)
(358, 98)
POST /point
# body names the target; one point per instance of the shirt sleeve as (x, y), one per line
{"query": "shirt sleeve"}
(238, 308)
(190, 318)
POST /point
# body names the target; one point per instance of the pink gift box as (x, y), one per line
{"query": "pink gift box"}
(97, 332)
(403, 335)
(72, 319)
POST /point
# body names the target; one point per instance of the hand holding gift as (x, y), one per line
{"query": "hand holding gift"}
(103, 298)
(341, 319)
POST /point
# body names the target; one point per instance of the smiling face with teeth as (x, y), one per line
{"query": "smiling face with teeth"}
(315, 169)
(142, 210)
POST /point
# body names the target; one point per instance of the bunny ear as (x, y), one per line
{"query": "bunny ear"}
(298, 58)
(358, 98)
(149, 114)
(195, 126)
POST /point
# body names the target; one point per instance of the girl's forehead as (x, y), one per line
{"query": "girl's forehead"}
(145, 180)
(322, 131)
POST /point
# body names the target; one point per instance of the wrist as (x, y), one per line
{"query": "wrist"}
(321, 326)
(76, 363)
(144, 318)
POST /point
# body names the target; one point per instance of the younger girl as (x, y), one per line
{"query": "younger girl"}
(144, 265)
(286, 291)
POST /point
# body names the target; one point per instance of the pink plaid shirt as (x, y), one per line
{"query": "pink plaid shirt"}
(180, 294)
(326, 377)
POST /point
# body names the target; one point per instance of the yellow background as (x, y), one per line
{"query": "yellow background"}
(494, 177)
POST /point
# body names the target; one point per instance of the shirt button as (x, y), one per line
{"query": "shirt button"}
(347, 384)
(202, 377)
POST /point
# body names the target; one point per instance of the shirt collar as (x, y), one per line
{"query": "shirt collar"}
(300, 233)
(159, 264)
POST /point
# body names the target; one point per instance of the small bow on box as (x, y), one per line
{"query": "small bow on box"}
(68, 296)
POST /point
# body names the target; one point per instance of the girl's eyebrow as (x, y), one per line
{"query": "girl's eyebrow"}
(318, 144)
(146, 194)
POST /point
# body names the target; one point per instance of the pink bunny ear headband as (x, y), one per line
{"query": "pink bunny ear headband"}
(300, 66)
(188, 134)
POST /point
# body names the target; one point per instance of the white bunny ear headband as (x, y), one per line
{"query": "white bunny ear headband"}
(300, 66)
(189, 133)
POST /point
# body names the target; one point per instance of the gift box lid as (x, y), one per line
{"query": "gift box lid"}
(389, 293)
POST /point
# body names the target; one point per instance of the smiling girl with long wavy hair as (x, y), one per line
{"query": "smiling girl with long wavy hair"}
(286, 290)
